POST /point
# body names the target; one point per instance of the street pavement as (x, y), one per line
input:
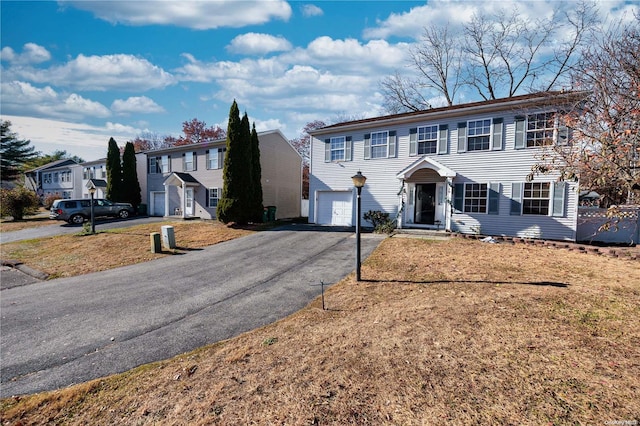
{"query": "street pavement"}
(60, 228)
(59, 332)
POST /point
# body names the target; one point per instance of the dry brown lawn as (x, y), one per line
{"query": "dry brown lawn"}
(66, 255)
(450, 332)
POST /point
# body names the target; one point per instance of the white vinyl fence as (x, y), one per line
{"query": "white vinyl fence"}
(624, 225)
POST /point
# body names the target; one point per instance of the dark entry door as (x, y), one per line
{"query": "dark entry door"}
(425, 203)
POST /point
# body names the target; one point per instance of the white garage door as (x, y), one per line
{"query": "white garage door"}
(335, 208)
(157, 201)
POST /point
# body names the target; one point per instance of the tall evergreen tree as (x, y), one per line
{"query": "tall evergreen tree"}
(256, 176)
(114, 172)
(249, 192)
(14, 153)
(229, 204)
(130, 184)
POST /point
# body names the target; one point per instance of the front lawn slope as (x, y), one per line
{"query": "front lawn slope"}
(450, 332)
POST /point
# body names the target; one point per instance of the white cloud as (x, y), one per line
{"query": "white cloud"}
(108, 72)
(201, 15)
(135, 104)
(254, 43)
(31, 54)
(22, 98)
(309, 10)
(87, 141)
(455, 13)
(204, 72)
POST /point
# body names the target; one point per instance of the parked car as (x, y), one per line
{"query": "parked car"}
(77, 211)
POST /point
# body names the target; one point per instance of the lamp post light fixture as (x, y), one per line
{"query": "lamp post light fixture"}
(92, 191)
(358, 181)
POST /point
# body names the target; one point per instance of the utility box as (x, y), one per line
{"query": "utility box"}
(154, 238)
(168, 237)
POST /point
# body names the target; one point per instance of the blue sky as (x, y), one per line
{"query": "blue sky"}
(75, 73)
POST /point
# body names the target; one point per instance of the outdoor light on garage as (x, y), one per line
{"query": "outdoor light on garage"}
(358, 181)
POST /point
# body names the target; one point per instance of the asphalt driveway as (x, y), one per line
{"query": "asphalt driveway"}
(71, 330)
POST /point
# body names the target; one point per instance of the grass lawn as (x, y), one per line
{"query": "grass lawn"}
(66, 255)
(441, 332)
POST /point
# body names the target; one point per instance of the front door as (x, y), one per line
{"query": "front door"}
(188, 202)
(425, 204)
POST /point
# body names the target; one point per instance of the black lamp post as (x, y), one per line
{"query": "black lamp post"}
(92, 191)
(358, 182)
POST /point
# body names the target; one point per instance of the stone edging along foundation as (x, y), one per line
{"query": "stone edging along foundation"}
(623, 252)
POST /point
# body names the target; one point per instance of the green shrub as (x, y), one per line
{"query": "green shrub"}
(380, 221)
(18, 202)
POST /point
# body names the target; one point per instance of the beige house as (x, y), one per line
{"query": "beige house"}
(187, 181)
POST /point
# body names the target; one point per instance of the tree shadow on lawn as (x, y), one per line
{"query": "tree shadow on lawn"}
(536, 283)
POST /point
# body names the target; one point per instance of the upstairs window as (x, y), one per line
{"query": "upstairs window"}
(189, 161)
(540, 128)
(337, 148)
(55, 177)
(215, 158)
(427, 140)
(159, 164)
(479, 133)
(379, 144)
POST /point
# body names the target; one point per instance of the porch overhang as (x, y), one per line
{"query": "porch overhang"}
(180, 179)
(426, 163)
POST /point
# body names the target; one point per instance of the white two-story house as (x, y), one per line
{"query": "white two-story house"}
(462, 168)
(187, 180)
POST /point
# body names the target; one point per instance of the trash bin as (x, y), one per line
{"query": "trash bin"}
(272, 213)
(265, 215)
(142, 210)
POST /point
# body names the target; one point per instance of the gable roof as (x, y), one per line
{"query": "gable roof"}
(179, 179)
(512, 103)
(53, 165)
(426, 163)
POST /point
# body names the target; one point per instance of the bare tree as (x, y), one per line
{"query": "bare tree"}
(497, 55)
(605, 153)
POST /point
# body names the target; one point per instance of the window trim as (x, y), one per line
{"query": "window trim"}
(328, 151)
(216, 154)
(193, 162)
(492, 203)
(488, 135)
(556, 200)
(209, 199)
(553, 129)
(436, 132)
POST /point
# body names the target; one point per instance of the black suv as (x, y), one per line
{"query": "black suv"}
(77, 211)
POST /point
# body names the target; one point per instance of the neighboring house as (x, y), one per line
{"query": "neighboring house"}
(462, 168)
(187, 180)
(96, 170)
(59, 178)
